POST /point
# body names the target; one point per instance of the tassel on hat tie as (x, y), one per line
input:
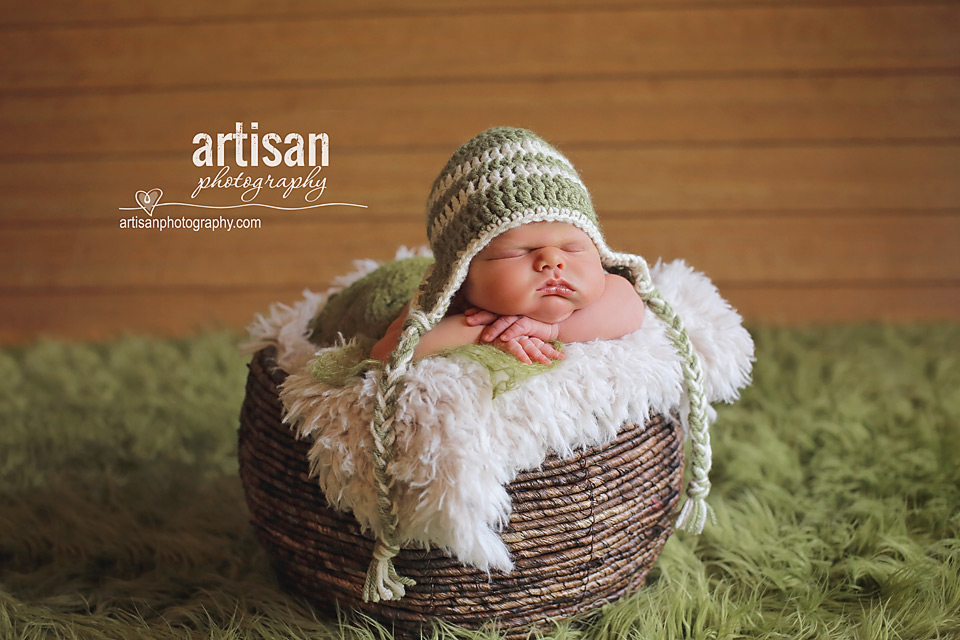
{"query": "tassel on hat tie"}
(383, 582)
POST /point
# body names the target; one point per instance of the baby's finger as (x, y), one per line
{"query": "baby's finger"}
(518, 352)
(533, 346)
(539, 357)
(515, 330)
(551, 352)
(476, 316)
(497, 327)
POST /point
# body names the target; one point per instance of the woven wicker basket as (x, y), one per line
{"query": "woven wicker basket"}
(583, 531)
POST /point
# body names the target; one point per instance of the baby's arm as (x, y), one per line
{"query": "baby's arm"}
(454, 331)
(619, 311)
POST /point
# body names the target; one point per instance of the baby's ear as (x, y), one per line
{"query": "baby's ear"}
(623, 272)
(459, 303)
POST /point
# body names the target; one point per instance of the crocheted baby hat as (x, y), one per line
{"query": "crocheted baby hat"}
(501, 179)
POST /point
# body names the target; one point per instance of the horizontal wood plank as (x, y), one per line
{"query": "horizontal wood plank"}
(479, 46)
(804, 154)
(752, 250)
(737, 111)
(68, 12)
(623, 182)
(845, 303)
(104, 315)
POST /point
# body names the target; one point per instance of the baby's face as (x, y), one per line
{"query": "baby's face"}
(543, 270)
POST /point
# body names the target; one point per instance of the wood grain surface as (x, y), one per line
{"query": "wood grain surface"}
(805, 154)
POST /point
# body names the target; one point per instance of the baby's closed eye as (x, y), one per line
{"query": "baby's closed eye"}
(511, 253)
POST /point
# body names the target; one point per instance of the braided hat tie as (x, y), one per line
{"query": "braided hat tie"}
(501, 179)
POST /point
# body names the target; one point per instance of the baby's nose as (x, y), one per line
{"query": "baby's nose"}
(549, 258)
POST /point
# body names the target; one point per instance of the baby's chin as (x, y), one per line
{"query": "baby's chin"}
(552, 310)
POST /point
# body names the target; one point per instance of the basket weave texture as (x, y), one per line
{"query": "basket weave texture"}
(584, 530)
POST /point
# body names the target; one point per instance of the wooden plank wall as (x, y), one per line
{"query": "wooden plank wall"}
(803, 153)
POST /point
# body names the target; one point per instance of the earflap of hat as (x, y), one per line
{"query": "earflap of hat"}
(696, 510)
(426, 310)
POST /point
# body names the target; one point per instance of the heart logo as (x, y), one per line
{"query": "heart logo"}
(148, 200)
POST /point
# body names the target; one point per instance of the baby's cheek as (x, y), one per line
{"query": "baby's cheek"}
(596, 284)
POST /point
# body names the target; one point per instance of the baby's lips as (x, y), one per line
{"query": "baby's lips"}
(556, 283)
(557, 290)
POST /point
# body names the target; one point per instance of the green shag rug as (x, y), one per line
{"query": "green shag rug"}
(836, 484)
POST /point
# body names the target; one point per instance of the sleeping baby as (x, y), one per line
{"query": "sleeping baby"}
(519, 262)
(532, 285)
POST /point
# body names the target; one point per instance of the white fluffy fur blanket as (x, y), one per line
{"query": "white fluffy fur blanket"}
(456, 447)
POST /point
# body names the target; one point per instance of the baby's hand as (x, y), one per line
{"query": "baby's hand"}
(528, 350)
(507, 328)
